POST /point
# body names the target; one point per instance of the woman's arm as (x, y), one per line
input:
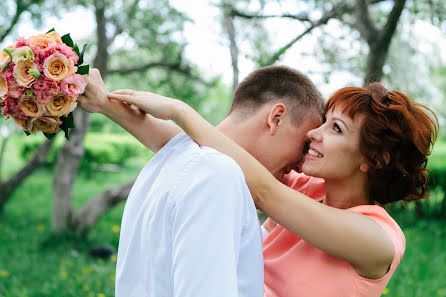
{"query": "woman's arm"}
(345, 234)
(150, 131)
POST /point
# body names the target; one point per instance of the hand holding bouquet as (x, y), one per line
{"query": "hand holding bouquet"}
(40, 80)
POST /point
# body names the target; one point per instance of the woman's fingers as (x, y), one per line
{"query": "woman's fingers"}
(123, 98)
(125, 92)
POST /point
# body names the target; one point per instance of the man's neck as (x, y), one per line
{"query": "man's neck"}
(242, 132)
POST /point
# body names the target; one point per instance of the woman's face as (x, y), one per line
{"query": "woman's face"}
(334, 149)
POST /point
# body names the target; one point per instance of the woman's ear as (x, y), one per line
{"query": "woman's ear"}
(275, 117)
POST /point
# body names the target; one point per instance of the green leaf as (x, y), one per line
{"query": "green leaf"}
(67, 40)
(9, 51)
(81, 56)
(76, 50)
(51, 30)
(34, 72)
(83, 69)
(70, 120)
(29, 93)
(5, 66)
(49, 136)
(27, 133)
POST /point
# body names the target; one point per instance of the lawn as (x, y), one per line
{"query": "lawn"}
(35, 263)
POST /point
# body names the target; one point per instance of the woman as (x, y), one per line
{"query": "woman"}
(372, 149)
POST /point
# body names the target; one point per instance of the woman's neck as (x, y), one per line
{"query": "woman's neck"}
(346, 193)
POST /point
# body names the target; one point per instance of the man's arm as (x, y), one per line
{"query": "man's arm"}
(206, 233)
(151, 132)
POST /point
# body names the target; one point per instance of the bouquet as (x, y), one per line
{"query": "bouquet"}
(40, 80)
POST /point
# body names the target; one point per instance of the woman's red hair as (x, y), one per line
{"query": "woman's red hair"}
(397, 136)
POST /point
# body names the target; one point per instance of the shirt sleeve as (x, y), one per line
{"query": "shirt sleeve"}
(206, 233)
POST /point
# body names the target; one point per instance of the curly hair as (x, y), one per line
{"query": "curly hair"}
(397, 136)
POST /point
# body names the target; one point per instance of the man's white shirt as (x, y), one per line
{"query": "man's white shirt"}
(189, 228)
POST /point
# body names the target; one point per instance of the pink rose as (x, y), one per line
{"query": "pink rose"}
(10, 107)
(9, 72)
(64, 49)
(21, 42)
(73, 85)
(14, 90)
(44, 88)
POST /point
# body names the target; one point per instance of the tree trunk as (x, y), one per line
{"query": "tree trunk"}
(68, 162)
(375, 63)
(87, 216)
(71, 154)
(9, 186)
(229, 18)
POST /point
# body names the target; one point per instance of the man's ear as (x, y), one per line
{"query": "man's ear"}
(275, 117)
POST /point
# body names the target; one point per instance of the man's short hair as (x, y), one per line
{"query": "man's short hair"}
(278, 84)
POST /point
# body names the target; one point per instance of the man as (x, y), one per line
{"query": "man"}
(189, 226)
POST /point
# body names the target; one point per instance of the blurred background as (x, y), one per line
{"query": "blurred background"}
(61, 202)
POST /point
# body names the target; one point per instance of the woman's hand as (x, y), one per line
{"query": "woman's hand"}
(158, 106)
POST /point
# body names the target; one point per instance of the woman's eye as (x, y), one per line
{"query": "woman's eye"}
(336, 128)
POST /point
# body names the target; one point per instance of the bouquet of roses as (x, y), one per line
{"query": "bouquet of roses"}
(40, 80)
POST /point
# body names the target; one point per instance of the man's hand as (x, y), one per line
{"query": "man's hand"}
(95, 97)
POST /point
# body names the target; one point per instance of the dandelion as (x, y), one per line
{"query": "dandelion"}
(40, 228)
(85, 288)
(112, 277)
(4, 273)
(386, 291)
(101, 295)
(63, 274)
(116, 228)
(114, 258)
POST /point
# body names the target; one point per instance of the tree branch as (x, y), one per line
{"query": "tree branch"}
(364, 23)
(20, 8)
(185, 70)
(119, 26)
(87, 216)
(392, 21)
(300, 17)
(335, 12)
(229, 24)
(9, 186)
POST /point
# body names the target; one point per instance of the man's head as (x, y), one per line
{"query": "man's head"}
(275, 107)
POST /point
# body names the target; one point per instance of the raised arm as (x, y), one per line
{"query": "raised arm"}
(345, 234)
(150, 131)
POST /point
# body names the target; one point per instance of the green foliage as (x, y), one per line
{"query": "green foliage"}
(100, 149)
(35, 263)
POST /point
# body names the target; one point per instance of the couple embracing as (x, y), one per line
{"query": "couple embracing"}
(190, 226)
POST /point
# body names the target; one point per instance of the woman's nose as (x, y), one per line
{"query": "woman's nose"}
(314, 134)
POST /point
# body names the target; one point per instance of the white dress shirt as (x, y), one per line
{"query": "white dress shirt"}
(189, 228)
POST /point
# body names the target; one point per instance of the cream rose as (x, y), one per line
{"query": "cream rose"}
(4, 57)
(43, 41)
(23, 53)
(60, 104)
(57, 67)
(47, 124)
(30, 106)
(24, 124)
(3, 86)
(22, 73)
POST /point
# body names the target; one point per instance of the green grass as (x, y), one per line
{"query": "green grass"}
(33, 262)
